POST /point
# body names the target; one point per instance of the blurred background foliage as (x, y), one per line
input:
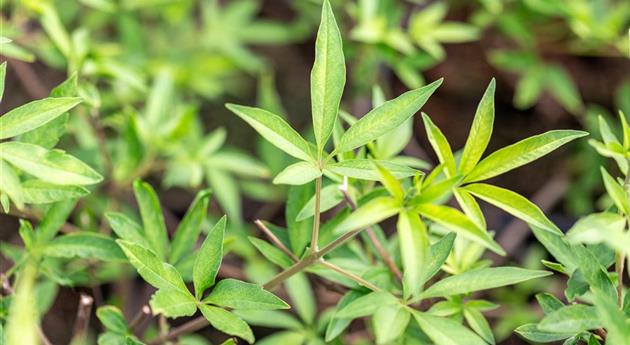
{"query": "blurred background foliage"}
(156, 73)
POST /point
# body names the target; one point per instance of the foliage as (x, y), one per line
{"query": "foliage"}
(134, 122)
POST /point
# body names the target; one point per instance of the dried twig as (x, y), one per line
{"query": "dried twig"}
(83, 317)
(275, 239)
(141, 316)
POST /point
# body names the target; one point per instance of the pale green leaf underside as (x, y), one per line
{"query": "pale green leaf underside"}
(273, 128)
(364, 169)
(227, 322)
(236, 294)
(173, 303)
(481, 279)
(298, 174)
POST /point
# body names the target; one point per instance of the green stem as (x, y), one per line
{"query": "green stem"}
(350, 275)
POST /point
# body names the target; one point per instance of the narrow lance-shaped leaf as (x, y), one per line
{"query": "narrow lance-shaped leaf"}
(152, 217)
(328, 77)
(232, 293)
(11, 185)
(458, 222)
(273, 128)
(571, 319)
(173, 303)
(88, 245)
(414, 251)
(40, 192)
(3, 74)
(54, 166)
(34, 114)
(209, 258)
(371, 213)
(521, 153)
(514, 204)
(298, 173)
(227, 322)
(364, 169)
(151, 268)
(444, 331)
(390, 322)
(393, 186)
(440, 145)
(481, 279)
(386, 117)
(480, 131)
(190, 227)
(616, 192)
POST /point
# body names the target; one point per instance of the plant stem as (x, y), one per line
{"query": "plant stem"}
(286, 274)
(350, 275)
(83, 318)
(387, 259)
(316, 220)
(188, 327)
(143, 314)
(275, 240)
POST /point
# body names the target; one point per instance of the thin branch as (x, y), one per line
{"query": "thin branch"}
(350, 275)
(387, 259)
(83, 317)
(275, 240)
(141, 316)
(188, 327)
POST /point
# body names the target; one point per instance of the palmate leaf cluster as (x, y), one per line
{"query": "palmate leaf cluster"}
(424, 283)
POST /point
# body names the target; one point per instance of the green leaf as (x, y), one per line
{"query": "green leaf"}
(299, 231)
(617, 193)
(364, 169)
(414, 251)
(328, 77)
(11, 185)
(613, 319)
(236, 294)
(337, 325)
(548, 302)
(531, 332)
(40, 192)
(389, 181)
(150, 268)
(443, 331)
(112, 318)
(514, 204)
(571, 319)
(438, 254)
(386, 117)
(481, 279)
(458, 222)
(440, 145)
(470, 206)
(53, 220)
(271, 252)
(521, 153)
(479, 324)
(152, 217)
(3, 74)
(331, 196)
(298, 173)
(126, 228)
(366, 305)
(286, 338)
(480, 131)
(34, 114)
(173, 303)
(209, 258)
(54, 166)
(273, 128)
(437, 191)
(269, 318)
(369, 214)
(390, 322)
(227, 322)
(604, 227)
(189, 228)
(302, 298)
(87, 245)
